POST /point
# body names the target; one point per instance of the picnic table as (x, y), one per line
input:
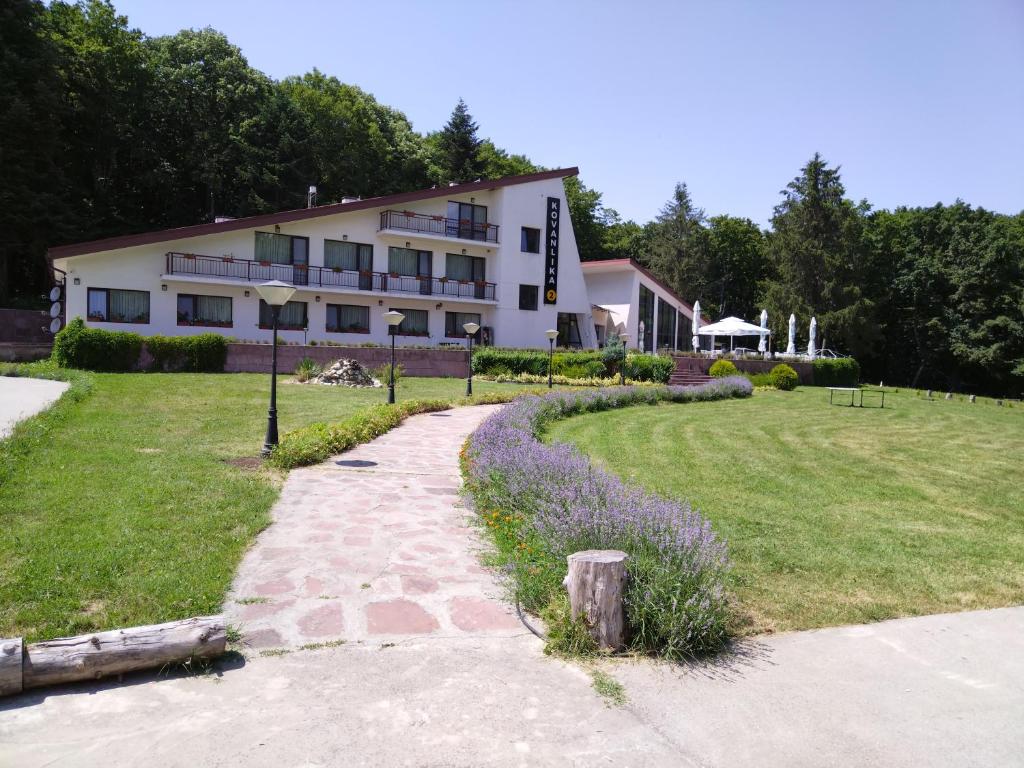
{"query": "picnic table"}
(853, 395)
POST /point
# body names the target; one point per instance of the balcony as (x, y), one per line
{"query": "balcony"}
(249, 271)
(438, 226)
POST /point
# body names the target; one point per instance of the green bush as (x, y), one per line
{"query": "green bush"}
(203, 353)
(491, 359)
(761, 379)
(783, 377)
(841, 372)
(655, 368)
(722, 368)
(382, 373)
(93, 349)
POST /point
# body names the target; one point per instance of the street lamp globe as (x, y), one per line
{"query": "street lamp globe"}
(393, 318)
(471, 329)
(275, 293)
(551, 333)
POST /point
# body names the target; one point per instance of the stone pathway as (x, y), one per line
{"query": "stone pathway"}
(373, 545)
(22, 397)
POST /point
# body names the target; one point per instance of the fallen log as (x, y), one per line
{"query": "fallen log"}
(90, 657)
(595, 582)
(10, 666)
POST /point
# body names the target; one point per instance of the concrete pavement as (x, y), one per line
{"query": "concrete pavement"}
(21, 397)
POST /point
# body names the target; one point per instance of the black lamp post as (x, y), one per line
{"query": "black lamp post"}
(470, 329)
(393, 319)
(276, 295)
(623, 337)
(552, 334)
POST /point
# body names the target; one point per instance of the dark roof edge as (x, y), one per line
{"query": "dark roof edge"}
(282, 217)
(644, 271)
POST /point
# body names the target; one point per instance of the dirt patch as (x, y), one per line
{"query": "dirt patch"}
(246, 462)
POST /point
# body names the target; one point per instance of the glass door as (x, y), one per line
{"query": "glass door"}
(300, 260)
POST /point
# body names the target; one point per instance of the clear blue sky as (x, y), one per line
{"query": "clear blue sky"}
(918, 101)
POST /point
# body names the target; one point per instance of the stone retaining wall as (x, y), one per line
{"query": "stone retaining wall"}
(255, 358)
(24, 353)
(25, 326)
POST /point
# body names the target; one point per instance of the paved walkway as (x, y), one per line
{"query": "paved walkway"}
(373, 545)
(21, 398)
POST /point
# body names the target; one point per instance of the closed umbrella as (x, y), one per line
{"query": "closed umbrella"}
(762, 344)
(791, 346)
(696, 326)
(811, 351)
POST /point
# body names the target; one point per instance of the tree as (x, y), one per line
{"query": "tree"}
(736, 264)
(30, 195)
(458, 149)
(819, 260)
(677, 246)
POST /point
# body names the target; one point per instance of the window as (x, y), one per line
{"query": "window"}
(467, 221)
(529, 241)
(292, 316)
(348, 318)
(406, 261)
(453, 322)
(351, 256)
(646, 317)
(112, 305)
(528, 295)
(459, 267)
(666, 324)
(568, 330)
(414, 324)
(214, 311)
(282, 249)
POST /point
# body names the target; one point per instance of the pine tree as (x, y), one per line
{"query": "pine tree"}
(677, 245)
(459, 148)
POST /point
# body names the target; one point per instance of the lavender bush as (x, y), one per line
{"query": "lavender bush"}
(543, 502)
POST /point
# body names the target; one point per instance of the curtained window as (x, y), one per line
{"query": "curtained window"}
(459, 267)
(348, 318)
(351, 256)
(292, 316)
(277, 249)
(414, 324)
(453, 322)
(666, 324)
(646, 337)
(112, 305)
(212, 311)
(406, 261)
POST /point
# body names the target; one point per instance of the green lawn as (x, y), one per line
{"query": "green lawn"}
(124, 511)
(833, 514)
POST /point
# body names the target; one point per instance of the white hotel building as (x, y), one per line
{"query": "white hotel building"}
(500, 253)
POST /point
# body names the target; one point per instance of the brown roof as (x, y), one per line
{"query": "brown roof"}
(646, 272)
(164, 235)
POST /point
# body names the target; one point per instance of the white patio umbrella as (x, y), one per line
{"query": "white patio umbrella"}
(791, 346)
(762, 343)
(733, 326)
(811, 351)
(696, 326)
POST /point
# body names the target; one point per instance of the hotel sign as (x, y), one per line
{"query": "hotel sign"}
(554, 212)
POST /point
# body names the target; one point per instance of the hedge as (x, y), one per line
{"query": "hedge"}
(836, 372)
(495, 361)
(722, 368)
(96, 349)
(784, 377)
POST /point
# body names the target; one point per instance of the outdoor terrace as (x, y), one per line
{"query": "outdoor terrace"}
(438, 226)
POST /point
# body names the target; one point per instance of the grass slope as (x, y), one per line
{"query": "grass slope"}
(834, 514)
(119, 509)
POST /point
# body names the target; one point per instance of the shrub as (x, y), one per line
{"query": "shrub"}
(649, 367)
(382, 373)
(307, 369)
(763, 380)
(722, 368)
(94, 349)
(510, 361)
(542, 502)
(783, 377)
(203, 353)
(840, 372)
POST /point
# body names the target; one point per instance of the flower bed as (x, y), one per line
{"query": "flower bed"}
(543, 502)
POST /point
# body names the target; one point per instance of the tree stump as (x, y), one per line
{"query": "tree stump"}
(595, 583)
(10, 666)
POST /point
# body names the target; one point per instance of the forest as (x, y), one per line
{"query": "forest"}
(105, 130)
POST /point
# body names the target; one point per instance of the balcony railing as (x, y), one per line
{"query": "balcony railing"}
(247, 270)
(408, 221)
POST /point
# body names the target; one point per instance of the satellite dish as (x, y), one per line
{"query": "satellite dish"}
(55, 293)
(55, 309)
(55, 325)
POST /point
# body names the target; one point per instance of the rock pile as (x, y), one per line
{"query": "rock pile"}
(346, 373)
